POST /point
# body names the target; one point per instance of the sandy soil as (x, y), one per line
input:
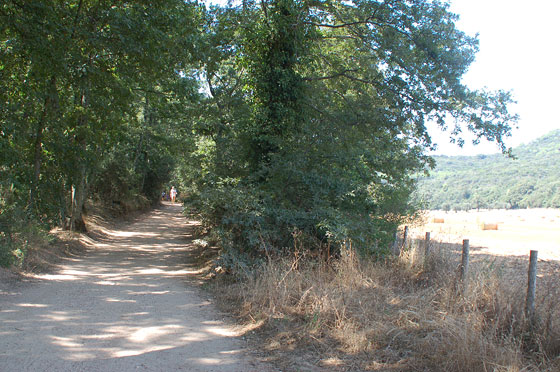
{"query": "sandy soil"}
(128, 304)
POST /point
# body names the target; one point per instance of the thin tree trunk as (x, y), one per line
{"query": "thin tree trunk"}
(51, 100)
(37, 156)
(218, 137)
(79, 188)
(78, 198)
(147, 115)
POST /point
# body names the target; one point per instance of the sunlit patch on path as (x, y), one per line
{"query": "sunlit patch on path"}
(123, 306)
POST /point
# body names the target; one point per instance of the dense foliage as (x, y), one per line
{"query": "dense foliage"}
(315, 119)
(287, 122)
(90, 104)
(531, 180)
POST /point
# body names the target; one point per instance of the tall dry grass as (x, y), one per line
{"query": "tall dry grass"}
(405, 314)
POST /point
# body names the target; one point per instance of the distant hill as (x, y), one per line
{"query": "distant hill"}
(495, 181)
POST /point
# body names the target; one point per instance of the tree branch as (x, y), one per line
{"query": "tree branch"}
(339, 74)
(75, 23)
(153, 91)
(341, 25)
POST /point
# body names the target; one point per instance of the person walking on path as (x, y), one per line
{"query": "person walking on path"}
(132, 303)
(173, 194)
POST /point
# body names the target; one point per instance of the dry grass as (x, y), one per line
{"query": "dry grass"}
(405, 314)
(517, 231)
(43, 256)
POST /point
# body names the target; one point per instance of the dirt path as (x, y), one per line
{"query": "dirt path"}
(126, 305)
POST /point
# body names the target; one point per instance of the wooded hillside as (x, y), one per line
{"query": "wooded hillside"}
(531, 180)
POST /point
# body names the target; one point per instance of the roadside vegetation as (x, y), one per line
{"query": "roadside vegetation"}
(87, 100)
(294, 131)
(406, 313)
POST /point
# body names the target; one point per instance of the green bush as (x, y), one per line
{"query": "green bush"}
(17, 231)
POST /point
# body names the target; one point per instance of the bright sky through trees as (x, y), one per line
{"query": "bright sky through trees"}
(518, 52)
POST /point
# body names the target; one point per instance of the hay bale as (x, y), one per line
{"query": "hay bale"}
(438, 220)
(489, 226)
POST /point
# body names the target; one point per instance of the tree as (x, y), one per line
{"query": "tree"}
(329, 122)
(79, 78)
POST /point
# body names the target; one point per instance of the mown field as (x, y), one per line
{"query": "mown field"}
(518, 231)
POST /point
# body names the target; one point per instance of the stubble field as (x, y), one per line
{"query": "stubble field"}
(517, 231)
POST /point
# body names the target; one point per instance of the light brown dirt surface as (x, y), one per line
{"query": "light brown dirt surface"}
(127, 304)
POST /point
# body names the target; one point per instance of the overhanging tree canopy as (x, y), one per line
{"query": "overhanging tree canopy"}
(323, 106)
(84, 82)
(289, 119)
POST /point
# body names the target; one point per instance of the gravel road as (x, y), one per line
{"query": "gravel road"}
(126, 305)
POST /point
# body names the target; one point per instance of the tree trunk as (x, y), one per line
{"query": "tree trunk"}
(37, 156)
(147, 115)
(79, 186)
(78, 198)
(50, 103)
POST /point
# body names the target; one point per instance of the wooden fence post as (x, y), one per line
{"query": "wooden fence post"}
(427, 246)
(405, 236)
(394, 247)
(464, 264)
(531, 286)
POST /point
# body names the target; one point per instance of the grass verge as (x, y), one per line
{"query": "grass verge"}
(405, 314)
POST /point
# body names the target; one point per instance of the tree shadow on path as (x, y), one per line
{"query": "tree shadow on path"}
(124, 305)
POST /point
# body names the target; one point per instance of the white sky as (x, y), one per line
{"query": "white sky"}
(519, 51)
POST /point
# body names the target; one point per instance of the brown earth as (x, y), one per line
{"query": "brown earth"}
(129, 302)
